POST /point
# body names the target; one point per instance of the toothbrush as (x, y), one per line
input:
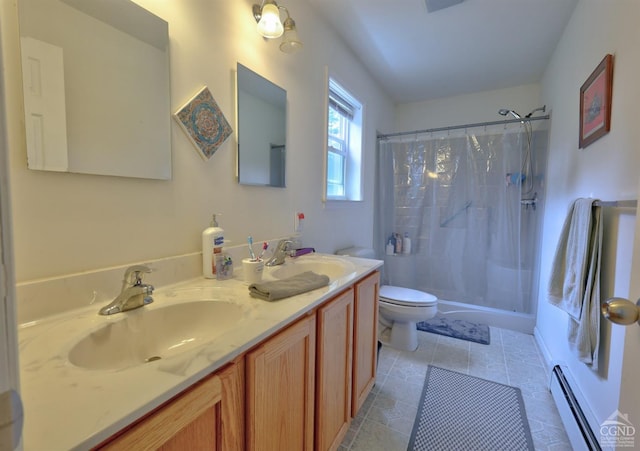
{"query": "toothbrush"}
(265, 245)
(251, 254)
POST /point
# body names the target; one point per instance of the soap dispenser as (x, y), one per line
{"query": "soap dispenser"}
(212, 241)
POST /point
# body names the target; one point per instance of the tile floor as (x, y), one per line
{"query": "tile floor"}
(386, 419)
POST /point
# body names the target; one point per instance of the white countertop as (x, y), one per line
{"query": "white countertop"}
(68, 407)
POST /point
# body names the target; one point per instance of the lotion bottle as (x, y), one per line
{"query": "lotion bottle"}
(212, 241)
(406, 244)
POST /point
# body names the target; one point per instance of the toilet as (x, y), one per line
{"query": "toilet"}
(403, 308)
(399, 308)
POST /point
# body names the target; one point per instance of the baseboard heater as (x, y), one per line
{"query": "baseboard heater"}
(574, 420)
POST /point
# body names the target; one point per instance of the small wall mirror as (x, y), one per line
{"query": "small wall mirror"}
(96, 87)
(262, 118)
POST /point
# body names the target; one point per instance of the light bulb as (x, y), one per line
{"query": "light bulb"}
(269, 25)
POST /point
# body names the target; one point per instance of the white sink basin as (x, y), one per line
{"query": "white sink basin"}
(145, 335)
(333, 267)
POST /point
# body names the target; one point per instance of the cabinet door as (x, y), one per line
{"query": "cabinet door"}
(280, 390)
(365, 340)
(333, 373)
(208, 415)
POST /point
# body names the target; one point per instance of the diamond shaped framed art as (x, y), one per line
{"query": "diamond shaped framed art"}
(203, 122)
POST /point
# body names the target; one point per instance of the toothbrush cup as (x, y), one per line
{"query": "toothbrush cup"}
(252, 270)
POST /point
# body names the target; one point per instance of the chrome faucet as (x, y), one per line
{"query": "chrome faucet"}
(133, 294)
(280, 253)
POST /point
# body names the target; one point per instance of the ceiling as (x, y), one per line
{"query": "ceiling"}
(473, 46)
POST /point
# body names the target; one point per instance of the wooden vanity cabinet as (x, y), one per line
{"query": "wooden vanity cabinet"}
(280, 389)
(297, 390)
(337, 346)
(209, 415)
(365, 339)
(333, 372)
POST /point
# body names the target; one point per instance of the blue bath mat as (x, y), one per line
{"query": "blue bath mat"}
(457, 328)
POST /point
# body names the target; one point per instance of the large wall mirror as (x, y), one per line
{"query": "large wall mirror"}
(261, 129)
(96, 87)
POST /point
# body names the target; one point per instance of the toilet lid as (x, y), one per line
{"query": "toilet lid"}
(406, 296)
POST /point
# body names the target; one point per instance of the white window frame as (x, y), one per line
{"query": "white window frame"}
(354, 142)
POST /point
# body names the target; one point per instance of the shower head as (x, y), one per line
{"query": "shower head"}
(504, 112)
(543, 108)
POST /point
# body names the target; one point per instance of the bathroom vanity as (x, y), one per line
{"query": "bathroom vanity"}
(307, 362)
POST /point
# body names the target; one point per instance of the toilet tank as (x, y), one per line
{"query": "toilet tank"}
(356, 251)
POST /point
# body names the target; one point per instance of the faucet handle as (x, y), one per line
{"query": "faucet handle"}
(284, 244)
(133, 274)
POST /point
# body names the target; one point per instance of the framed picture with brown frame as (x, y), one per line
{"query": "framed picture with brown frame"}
(595, 103)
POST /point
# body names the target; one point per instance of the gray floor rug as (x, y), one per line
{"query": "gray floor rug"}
(461, 412)
(457, 328)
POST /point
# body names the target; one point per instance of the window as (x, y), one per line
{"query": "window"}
(344, 145)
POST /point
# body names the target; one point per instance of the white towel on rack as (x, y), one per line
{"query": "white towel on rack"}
(574, 285)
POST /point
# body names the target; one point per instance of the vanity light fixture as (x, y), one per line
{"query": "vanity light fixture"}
(290, 41)
(267, 15)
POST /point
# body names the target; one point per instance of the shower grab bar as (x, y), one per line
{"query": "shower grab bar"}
(617, 203)
(455, 215)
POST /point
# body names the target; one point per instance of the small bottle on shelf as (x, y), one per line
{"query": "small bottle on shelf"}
(406, 244)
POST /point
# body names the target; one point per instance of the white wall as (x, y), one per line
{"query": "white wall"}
(607, 169)
(66, 223)
(467, 108)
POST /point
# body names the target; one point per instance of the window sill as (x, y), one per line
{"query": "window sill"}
(341, 203)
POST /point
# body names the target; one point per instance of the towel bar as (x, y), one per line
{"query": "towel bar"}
(617, 203)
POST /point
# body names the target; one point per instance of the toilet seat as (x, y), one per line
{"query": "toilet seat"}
(406, 297)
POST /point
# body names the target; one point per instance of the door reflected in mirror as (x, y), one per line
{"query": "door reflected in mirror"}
(96, 88)
(261, 128)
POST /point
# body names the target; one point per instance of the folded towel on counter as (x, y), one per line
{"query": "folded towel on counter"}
(279, 289)
(575, 278)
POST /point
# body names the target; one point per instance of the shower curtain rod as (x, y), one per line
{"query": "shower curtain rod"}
(457, 127)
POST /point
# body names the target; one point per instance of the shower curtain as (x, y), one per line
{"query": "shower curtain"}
(458, 197)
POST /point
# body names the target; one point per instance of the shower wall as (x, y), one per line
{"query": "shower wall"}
(458, 196)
